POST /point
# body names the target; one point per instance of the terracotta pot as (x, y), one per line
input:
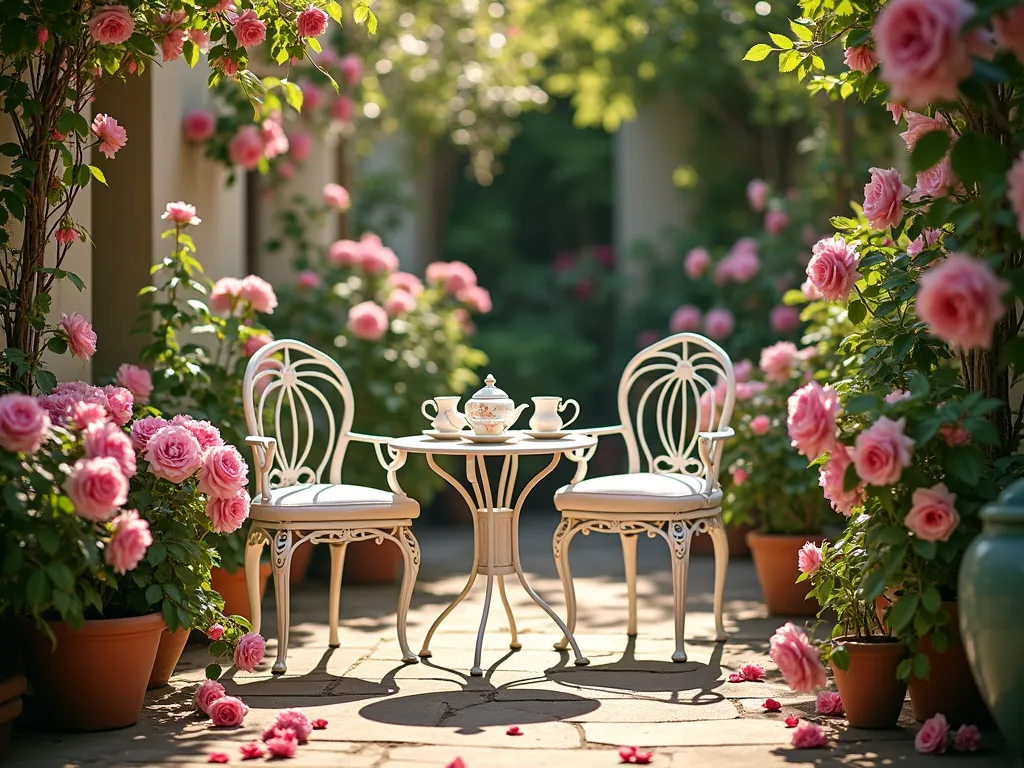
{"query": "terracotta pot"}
(301, 559)
(775, 558)
(950, 688)
(10, 707)
(171, 646)
(872, 694)
(231, 586)
(95, 679)
(737, 536)
(367, 562)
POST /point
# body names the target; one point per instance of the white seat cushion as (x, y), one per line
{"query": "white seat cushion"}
(639, 493)
(323, 502)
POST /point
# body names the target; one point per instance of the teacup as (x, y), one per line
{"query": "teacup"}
(488, 426)
(446, 416)
(545, 414)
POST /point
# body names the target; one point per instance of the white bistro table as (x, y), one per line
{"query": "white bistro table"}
(495, 516)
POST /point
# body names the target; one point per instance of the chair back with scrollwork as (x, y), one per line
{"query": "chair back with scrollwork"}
(302, 398)
(670, 392)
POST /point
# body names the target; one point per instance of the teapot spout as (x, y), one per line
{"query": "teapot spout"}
(514, 416)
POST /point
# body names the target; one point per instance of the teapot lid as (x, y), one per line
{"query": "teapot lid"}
(490, 392)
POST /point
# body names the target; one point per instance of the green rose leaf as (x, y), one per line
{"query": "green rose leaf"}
(929, 150)
(902, 612)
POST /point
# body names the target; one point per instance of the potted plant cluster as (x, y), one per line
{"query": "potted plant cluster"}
(922, 430)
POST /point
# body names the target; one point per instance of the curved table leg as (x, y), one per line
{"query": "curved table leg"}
(488, 509)
(515, 645)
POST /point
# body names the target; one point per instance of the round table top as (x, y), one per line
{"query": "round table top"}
(520, 444)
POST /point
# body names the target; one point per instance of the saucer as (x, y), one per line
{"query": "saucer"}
(438, 435)
(546, 435)
(504, 437)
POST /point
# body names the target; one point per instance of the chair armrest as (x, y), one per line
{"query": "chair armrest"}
(379, 444)
(583, 456)
(709, 446)
(599, 431)
(263, 449)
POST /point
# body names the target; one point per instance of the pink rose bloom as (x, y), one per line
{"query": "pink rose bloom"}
(258, 341)
(883, 198)
(751, 672)
(65, 235)
(201, 38)
(757, 194)
(207, 693)
(172, 44)
(308, 279)
(1008, 27)
(344, 253)
(207, 435)
(809, 736)
(300, 145)
(368, 321)
(476, 298)
(742, 370)
(797, 659)
(934, 182)
(784, 319)
(460, 277)
(181, 213)
(697, 262)
(84, 414)
(136, 380)
(174, 454)
(342, 109)
(811, 419)
(215, 632)
(119, 402)
(1015, 193)
(882, 452)
(775, 222)
(24, 425)
(223, 472)
(259, 293)
(405, 281)
(275, 141)
(933, 515)
(896, 396)
(111, 24)
(111, 135)
(351, 67)
(919, 46)
(285, 170)
(760, 424)
(686, 318)
(741, 266)
(719, 323)
(248, 29)
(739, 476)
(968, 739)
(648, 337)
(808, 559)
(860, 58)
(828, 703)
(79, 334)
(296, 721)
(130, 541)
(808, 289)
(227, 712)
(249, 651)
(378, 260)
(103, 439)
(777, 361)
(246, 147)
(931, 739)
(251, 751)
(227, 66)
(97, 487)
(283, 743)
(312, 97)
(919, 125)
(311, 22)
(224, 292)
(954, 434)
(144, 429)
(227, 513)
(961, 301)
(832, 268)
(832, 478)
(437, 272)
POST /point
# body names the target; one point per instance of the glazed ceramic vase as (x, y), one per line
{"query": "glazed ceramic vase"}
(991, 621)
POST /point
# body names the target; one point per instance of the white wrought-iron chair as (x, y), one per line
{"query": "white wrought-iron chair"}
(681, 392)
(292, 388)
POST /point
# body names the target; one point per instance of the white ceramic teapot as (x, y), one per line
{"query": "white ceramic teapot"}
(490, 411)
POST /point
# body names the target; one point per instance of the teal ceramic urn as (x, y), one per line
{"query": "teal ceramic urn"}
(991, 601)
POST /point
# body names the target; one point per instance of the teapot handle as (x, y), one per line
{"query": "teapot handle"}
(565, 404)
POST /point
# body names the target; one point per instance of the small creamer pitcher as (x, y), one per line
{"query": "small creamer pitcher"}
(545, 414)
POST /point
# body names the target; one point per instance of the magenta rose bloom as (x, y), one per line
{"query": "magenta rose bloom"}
(111, 24)
(881, 452)
(227, 711)
(223, 472)
(931, 739)
(103, 439)
(249, 651)
(961, 301)
(215, 632)
(97, 487)
(24, 424)
(311, 22)
(248, 29)
(883, 198)
(80, 336)
(283, 743)
(130, 541)
(933, 515)
(968, 739)
(174, 454)
(227, 513)
(809, 736)
(811, 419)
(297, 721)
(136, 380)
(797, 659)
(832, 270)
(828, 703)
(144, 429)
(207, 693)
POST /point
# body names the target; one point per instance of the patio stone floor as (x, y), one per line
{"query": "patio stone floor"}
(384, 714)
